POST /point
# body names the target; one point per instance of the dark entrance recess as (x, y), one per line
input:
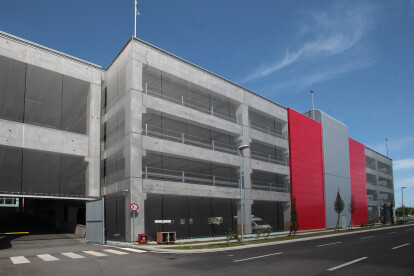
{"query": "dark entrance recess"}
(201, 216)
(40, 216)
(269, 211)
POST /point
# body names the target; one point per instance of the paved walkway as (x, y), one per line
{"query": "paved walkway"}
(173, 248)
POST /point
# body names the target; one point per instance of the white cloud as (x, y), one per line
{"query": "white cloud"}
(329, 33)
(403, 164)
(405, 182)
(393, 145)
(336, 68)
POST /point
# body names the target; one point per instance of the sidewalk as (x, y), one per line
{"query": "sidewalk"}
(174, 247)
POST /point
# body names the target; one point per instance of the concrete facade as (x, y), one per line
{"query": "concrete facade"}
(35, 137)
(159, 128)
(134, 100)
(380, 184)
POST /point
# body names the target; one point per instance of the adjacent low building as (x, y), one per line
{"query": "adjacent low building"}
(164, 133)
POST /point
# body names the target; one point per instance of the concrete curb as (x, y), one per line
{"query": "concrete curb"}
(198, 251)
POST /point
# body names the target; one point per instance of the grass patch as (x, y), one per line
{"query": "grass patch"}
(274, 239)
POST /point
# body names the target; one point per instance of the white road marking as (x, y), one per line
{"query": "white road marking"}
(367, 237)
(391, 233)
(19, 260)
(132, 249)
(257, 257)
(348, 263)
(322, 245)
(117, 252)
(400, 246)
(48, 258)
(72, 255)
(230, 255)
(94, 253)
(409, 229)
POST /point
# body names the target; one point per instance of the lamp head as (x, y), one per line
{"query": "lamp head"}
(242, 147)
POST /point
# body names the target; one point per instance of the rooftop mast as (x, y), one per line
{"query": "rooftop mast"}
(135, 17)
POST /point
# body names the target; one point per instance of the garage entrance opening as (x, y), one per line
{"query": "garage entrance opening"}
(43, 218)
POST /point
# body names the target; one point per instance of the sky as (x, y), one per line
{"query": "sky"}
(357, 56)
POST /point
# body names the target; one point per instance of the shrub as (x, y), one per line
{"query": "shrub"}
(230, 235)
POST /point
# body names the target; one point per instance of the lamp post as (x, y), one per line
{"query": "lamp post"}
(241, 148)
(402, 199)
(313, 106)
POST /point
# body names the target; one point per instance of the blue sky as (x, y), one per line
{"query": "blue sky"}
(356, 55)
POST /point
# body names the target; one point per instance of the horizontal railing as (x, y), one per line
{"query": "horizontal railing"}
(384, 184)
(384, 170)
(184, 138)
(271, 186)
(269, 158)
(268, 130)
(373, 198)
(189, 177)
(384, 197)
(184, 101)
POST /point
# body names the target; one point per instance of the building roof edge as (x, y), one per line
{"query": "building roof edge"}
(198, 67)
(378, 153)
(46, 49)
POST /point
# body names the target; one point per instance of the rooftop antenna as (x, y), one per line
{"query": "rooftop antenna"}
(313, 106)
(386, 145)
(135, 17)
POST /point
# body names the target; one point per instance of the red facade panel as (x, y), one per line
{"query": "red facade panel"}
(306, 170)
(358, 182)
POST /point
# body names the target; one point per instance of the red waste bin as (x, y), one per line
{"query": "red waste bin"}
(143, 238)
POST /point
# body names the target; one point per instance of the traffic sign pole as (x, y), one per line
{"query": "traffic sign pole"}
(134, 208)
(133, 226)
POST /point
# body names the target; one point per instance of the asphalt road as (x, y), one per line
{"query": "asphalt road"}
(384, 252)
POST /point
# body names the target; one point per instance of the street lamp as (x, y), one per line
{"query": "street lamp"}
(241, 148)
(402, 199)
(313, 106)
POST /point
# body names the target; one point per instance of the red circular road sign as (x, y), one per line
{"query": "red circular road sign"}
(134, 207)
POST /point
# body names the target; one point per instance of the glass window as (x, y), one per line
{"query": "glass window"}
(12, 85)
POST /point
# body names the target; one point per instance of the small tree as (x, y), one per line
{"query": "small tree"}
(294, 224)
(339, 207)
(384, 213)
(392, 212)
(352, 210)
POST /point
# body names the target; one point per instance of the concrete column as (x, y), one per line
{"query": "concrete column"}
(93, 129)
(243, 117)
(59, 213)
(133, 169)
(286, 215)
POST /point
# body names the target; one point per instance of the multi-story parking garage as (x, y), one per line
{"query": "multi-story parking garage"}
(49, 133)
(164, 133)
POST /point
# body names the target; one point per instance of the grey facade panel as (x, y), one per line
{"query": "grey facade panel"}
(332, 184)
(336, 167)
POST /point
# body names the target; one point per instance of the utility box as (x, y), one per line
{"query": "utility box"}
(143, 238)
(166, 237)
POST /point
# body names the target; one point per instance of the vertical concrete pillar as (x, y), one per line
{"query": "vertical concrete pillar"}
(59, 213)
(133, 168)
(93, 130)
(243, 118)
(286, 215)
